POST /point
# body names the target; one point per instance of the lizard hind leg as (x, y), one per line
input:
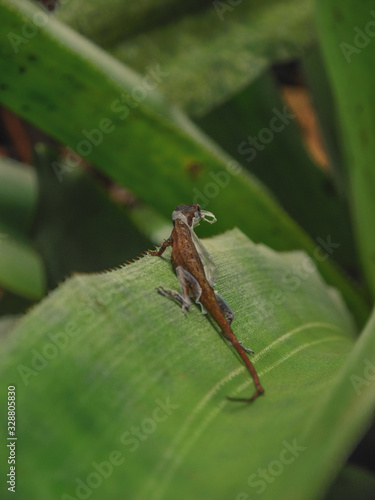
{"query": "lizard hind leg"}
(189, 286)
(172, 294)
(225, 309)
(229, 316)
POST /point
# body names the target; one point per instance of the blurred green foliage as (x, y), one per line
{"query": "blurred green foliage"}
(168, 105)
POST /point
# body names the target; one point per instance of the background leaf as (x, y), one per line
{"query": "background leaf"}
(316, 205)
(210, 55)
(350, 482)
(349, 60)
(21, 267)
(18, 195)
(77, 227)
(108, 22)
(325, 109)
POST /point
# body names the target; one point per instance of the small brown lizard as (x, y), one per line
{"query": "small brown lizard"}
(197, 275)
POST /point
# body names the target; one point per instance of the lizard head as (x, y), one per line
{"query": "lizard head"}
(192, 215)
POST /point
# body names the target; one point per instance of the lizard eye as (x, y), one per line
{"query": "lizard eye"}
(197, 213)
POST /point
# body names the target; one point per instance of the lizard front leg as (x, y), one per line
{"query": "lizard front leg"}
(167, 243)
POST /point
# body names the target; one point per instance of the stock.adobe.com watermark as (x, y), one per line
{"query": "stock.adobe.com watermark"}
(361, 39)
(132, 439)
(264, 476)
(249, 149)
(56, 343)
(31, 28)
(221, 8)
(220, 180)
(139, 434)
(121, 109)
(254, 144)
(294, 278)
(100, 471)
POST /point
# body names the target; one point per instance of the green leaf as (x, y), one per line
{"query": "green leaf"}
(108, 21)
(346, 33)
(21, 268)
(78, 228)
(13, 304)
(18, 195)
(45, 76)
(350, 482)
(210, 54)
(320, 88)
(112, 377)
(258, 112)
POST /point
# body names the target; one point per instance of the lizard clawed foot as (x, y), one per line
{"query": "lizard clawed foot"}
(166, 292)
(246, 349)
(259, 392)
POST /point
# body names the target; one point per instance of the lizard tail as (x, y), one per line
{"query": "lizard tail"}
(228, 333)
(259, 389)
